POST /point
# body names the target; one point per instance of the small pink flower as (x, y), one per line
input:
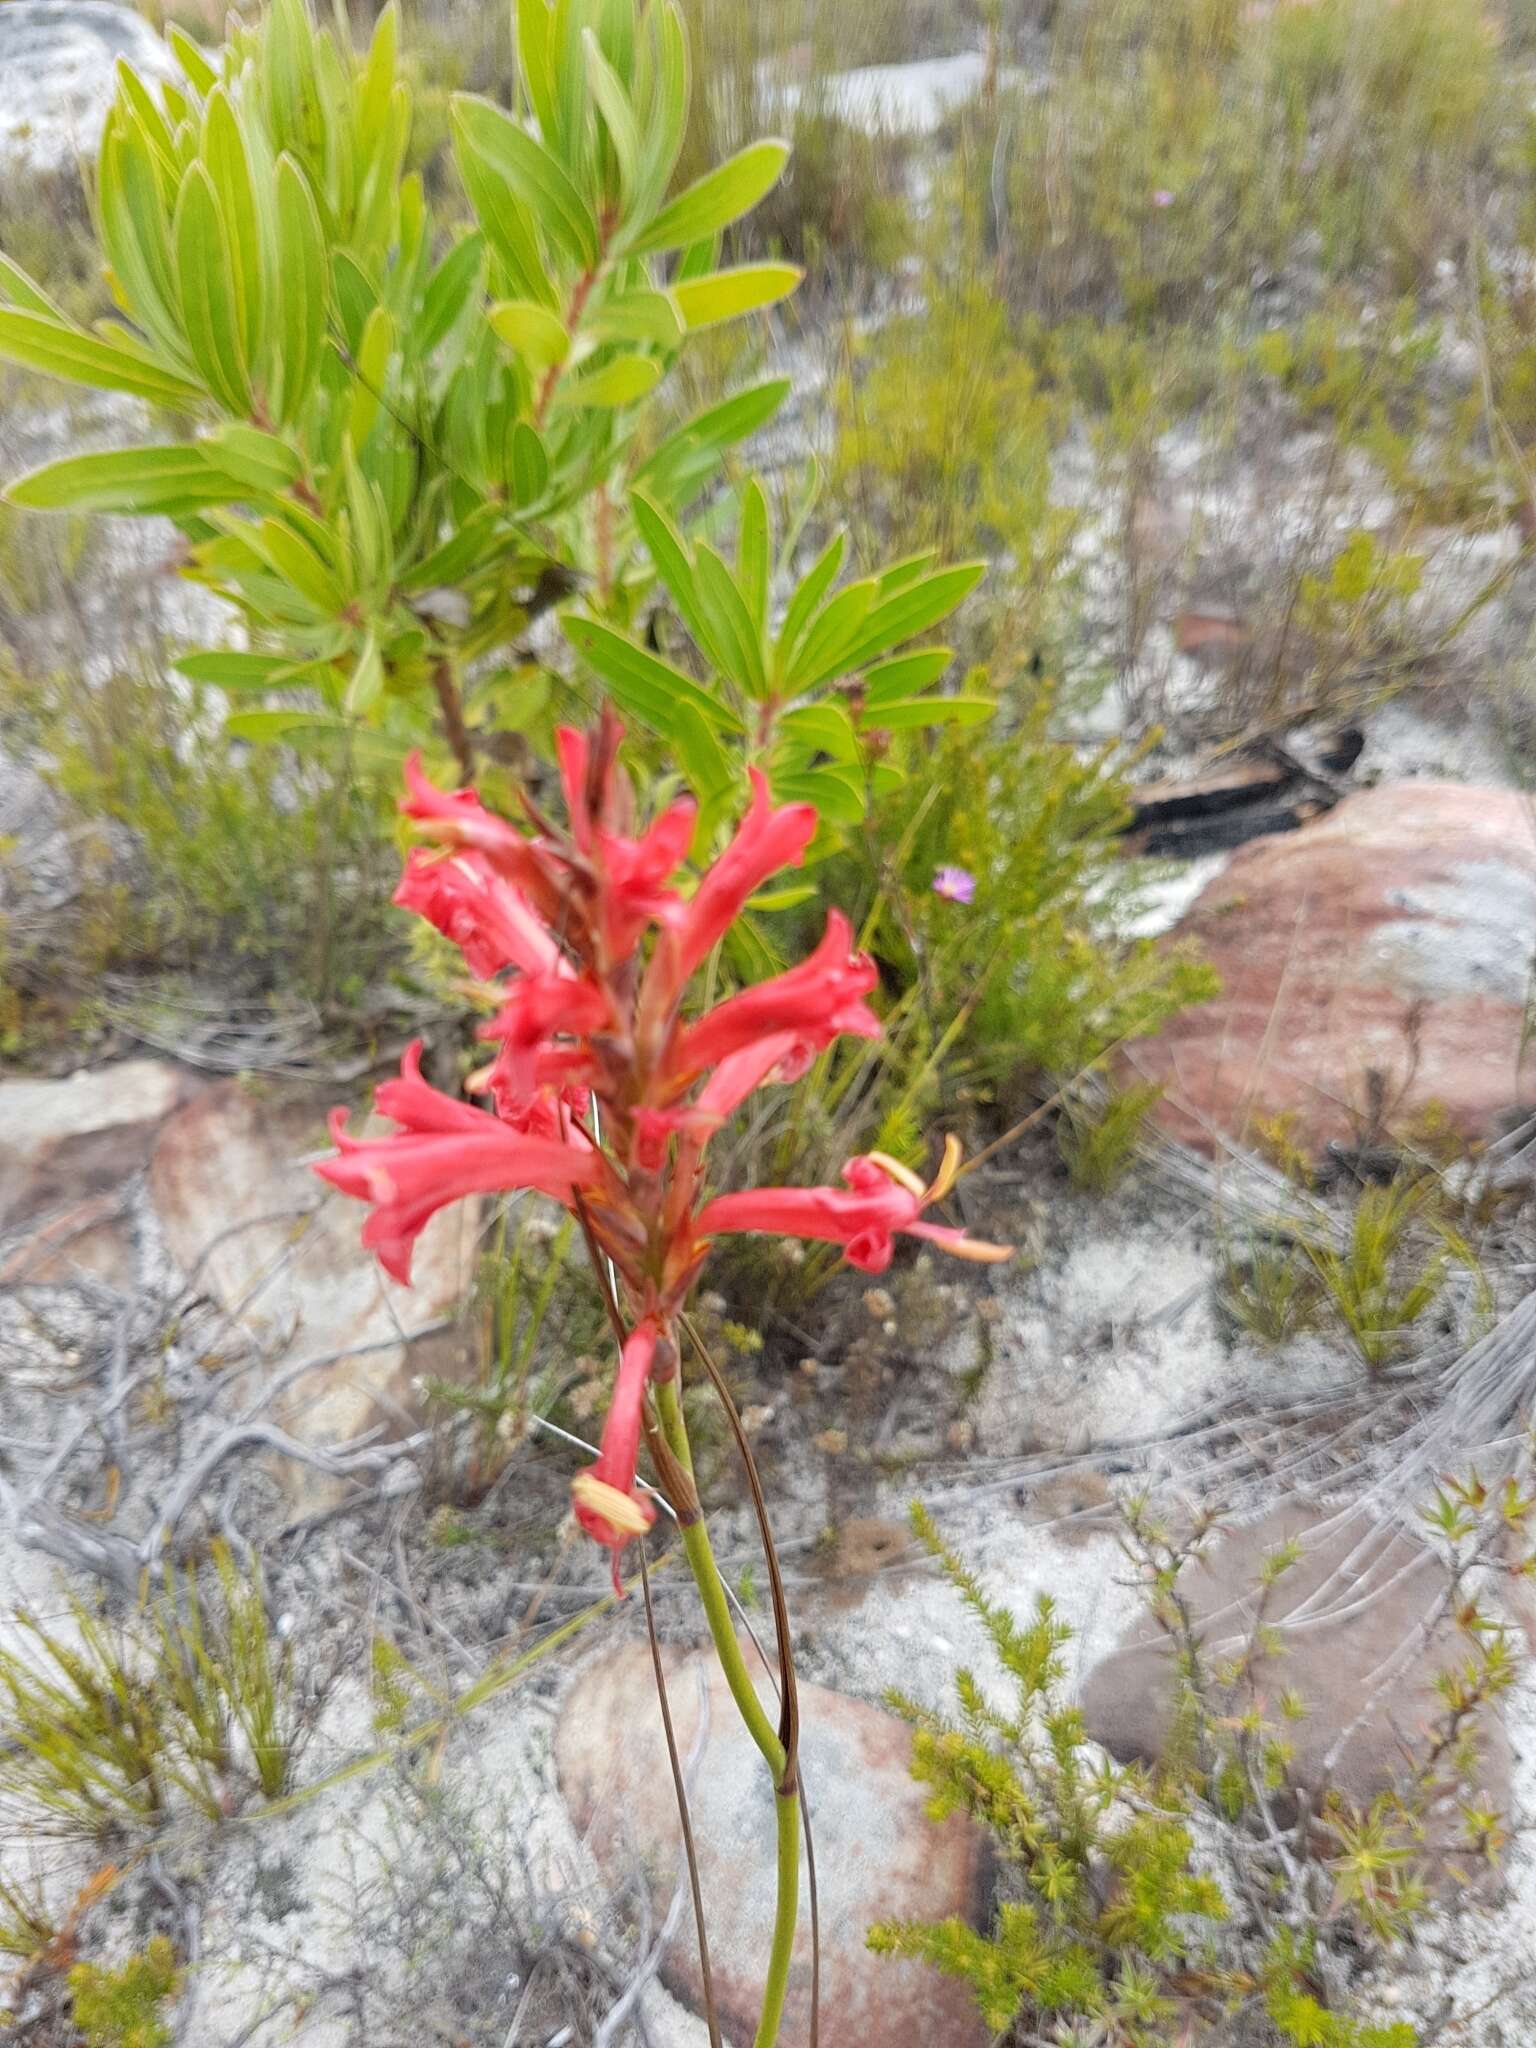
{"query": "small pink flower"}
(1162, 196)
(955, 885)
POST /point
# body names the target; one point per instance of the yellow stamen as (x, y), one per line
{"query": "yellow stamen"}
(902, 1175)
(615, 1508)
(977, 1252)
(949, 1170)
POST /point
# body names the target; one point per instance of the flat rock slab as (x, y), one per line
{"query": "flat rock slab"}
(63, 1142)
(878, 1856)
(57, 59)
(1351, 1618)
(246, 1221)
(1375, 966)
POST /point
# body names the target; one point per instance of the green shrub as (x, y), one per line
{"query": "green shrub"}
(109, 1727)
(277, 867)
(124, 2007)
(1101, 1912)
(1108, 1927)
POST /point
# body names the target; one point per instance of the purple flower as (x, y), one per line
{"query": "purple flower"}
(955, 885)
(1162, 197)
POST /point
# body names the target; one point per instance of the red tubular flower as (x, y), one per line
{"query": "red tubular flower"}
(456, 817)
(608, 1504)
(765, 841)
(814, 1003)
(444, 1150)
(491, 922)
(537, 1008)
(881, 1198)
(604, 1099)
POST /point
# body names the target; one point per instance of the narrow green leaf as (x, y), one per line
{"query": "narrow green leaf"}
(809, 592)
(449, 290)
(229, 168)
(370, 377)
(136, 234)
(227, 670)
(905, 714)
(728, 294)
(260, 461)
(531, 29)
(528, 466)
(646, 317)
(752, 554)
(537, 334)
(38, 343)
(123, 480)
(674, 564)
(195, 66)
(624, 381)
(826, 640)
(688, 454)
(618, 115)
(366, 684)
(282, 723)
(913, 610)
(715, 200)
(302, 289)
(531, 172)
(836, 790)
(203, 276)
(820, 729)
(739, 643)
(640, 682)
(505, 221)
(905, 675)
(19, 290)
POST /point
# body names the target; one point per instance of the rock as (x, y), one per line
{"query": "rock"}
(245, 1219)
(1374, 967)
(91, 1238)
(64, 1141)
(883, 100)
(1368, 1627)
(877, 1855)
(57, 59)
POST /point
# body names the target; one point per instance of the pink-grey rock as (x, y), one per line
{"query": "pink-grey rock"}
(1351, 1617)
(62, 1142)
(1375, 968)
(878, 1856)
(245, 1218)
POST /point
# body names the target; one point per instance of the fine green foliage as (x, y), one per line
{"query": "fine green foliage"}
(278, 868)
(124, 2007)
(108, 1729)
(1108, 1909)
(1377, 1273)
(1098, 1140)
(1105, 1926)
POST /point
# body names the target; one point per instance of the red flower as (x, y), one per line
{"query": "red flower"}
(881, 1198)
(627, 874)
(814, 1003)
(608, 1504)
(634, 871)
(538, 1008)
(456, 817)
(765, 841)
(444, 1150)
(491, 922)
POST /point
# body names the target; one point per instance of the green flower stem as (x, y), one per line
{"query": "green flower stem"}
(706, 1574)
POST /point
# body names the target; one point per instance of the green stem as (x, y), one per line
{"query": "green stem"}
(706, 1575)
